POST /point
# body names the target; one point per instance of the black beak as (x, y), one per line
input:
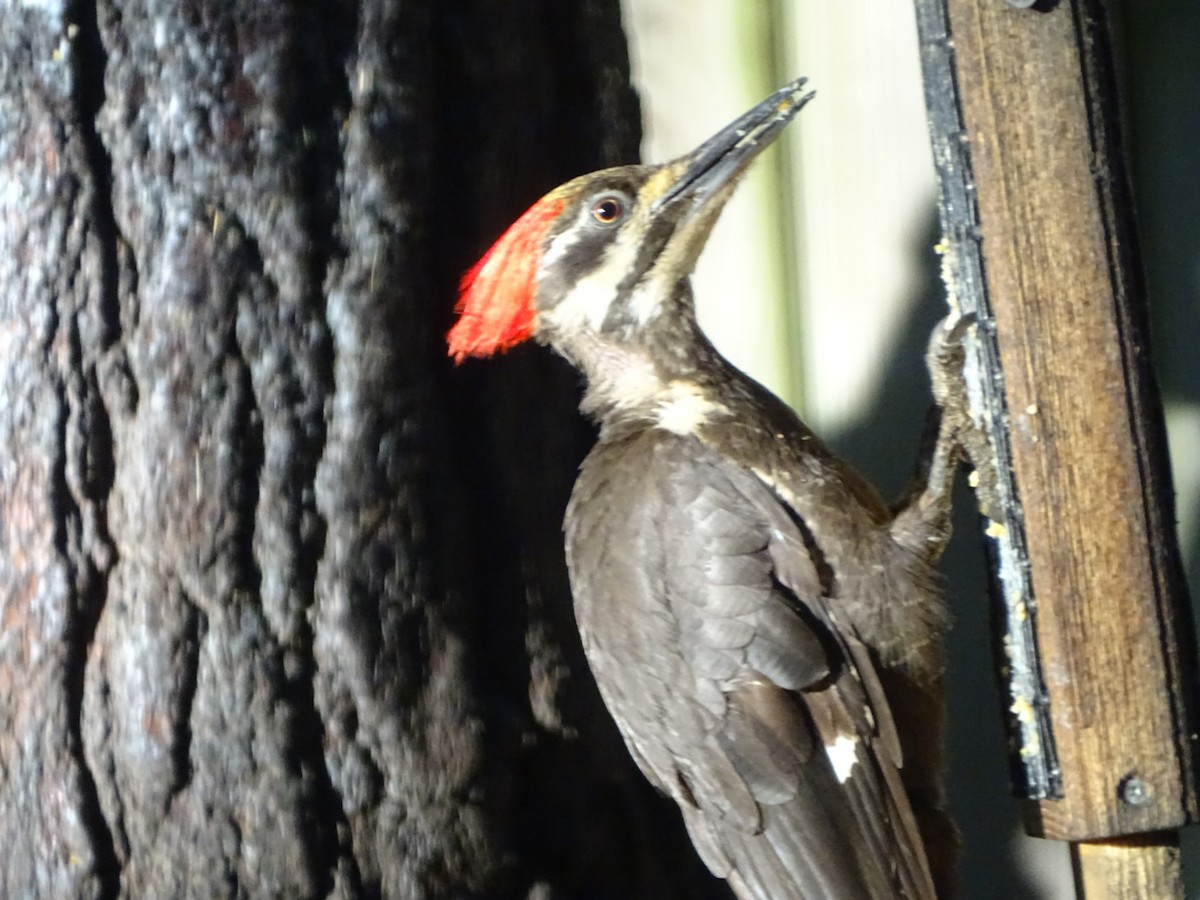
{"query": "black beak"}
(729, 152)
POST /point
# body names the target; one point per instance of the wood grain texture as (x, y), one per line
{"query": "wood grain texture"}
(1084, 420)
(1144, 868)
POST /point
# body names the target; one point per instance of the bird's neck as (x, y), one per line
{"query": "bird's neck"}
(667, 375)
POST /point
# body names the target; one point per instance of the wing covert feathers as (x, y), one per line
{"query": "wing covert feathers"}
(710, 635)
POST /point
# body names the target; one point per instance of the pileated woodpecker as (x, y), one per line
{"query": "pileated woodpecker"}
(762, 627)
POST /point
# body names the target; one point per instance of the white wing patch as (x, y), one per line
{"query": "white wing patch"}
(843, 756)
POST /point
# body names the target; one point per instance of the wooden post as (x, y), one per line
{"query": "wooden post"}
(1040, 246)
(1142, 866)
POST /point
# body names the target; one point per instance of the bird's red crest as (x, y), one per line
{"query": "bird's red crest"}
(496, 297)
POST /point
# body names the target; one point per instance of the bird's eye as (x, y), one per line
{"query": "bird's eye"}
(608, 210)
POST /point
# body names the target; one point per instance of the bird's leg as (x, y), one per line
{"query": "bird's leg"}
(922, 519)
(922, 523)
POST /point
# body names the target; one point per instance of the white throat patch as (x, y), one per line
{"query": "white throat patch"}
(623, 380)
(679, 407)
(683, 408)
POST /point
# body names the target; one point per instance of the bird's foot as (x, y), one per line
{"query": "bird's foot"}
(952, 435)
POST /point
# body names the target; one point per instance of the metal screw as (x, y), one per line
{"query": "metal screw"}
(1134, 791)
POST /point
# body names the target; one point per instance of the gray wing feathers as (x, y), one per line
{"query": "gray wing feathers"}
(785, 648)
(728, 679)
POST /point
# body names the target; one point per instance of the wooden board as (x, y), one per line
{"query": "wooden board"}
(1083, 420)
(1146, 868)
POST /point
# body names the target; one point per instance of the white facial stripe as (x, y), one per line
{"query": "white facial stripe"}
(590, 298)
(647, 297)
(619, 259)
(843, 756)
(560, 245)
(585, 306)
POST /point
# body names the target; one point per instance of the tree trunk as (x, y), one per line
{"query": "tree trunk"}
(283, 610)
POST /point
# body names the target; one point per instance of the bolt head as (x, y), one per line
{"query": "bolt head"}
(1134, 791)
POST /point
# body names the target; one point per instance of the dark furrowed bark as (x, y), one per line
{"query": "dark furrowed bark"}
(282, 604)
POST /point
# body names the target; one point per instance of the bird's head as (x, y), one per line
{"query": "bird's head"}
(603, 255)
